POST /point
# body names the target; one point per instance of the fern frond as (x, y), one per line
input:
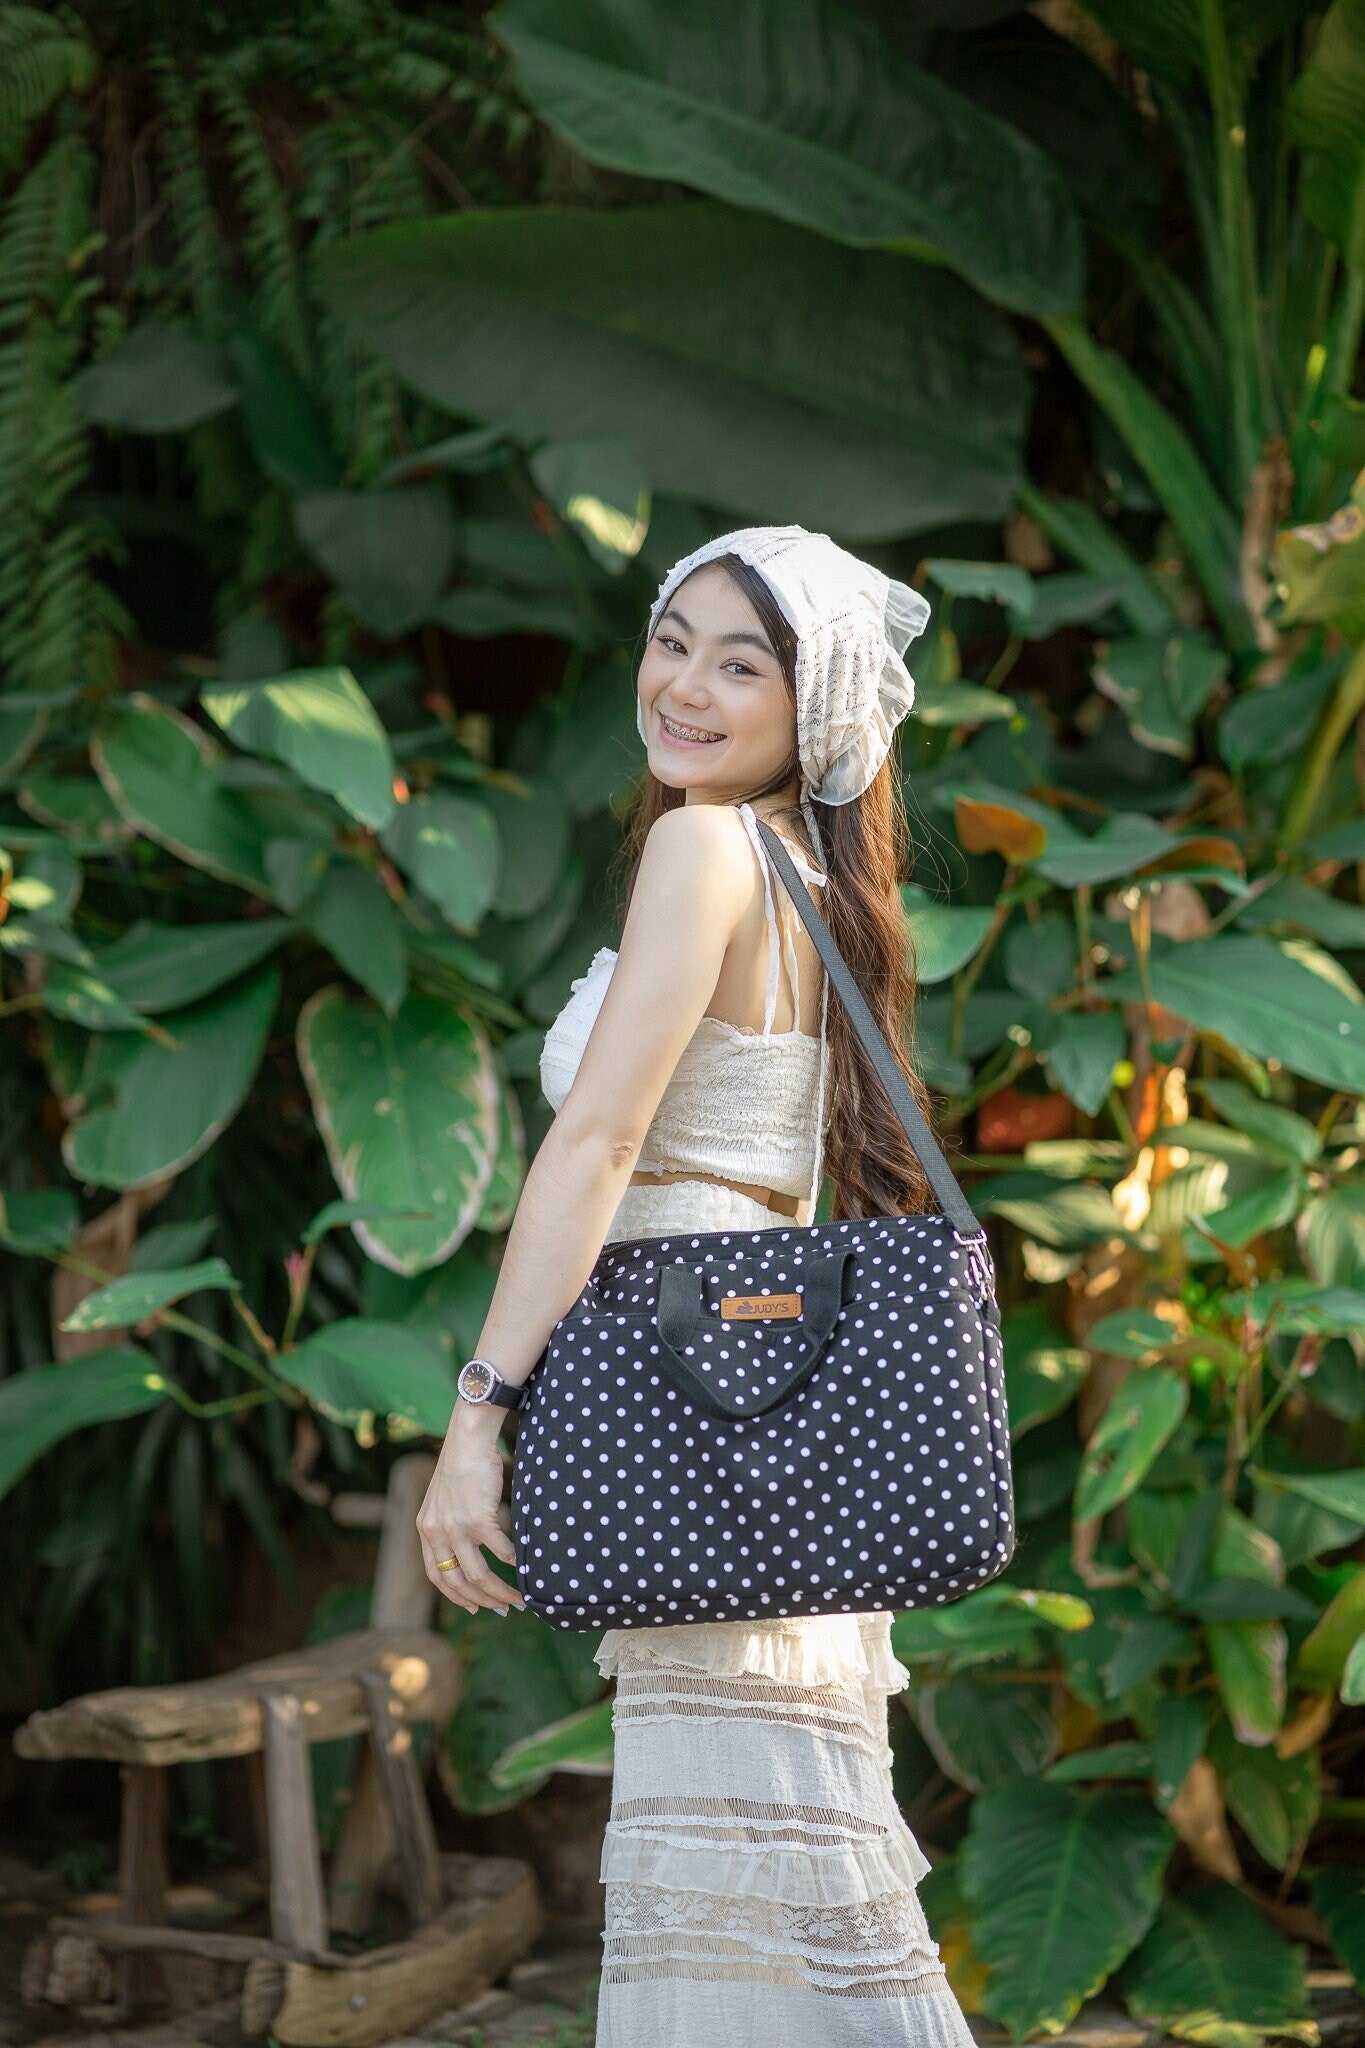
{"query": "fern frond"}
(44, 54)
(268, 229)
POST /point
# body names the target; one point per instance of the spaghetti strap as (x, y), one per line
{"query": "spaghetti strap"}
(770, 913)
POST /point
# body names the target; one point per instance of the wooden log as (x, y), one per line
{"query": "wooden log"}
(298, 1916)
(402, 1598)
(363, 1852)
(414, 1836)
(141, 1875)
(218, 1717)
(403, 1594)
(357, 2001)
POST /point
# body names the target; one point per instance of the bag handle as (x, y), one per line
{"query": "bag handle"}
(951, 1200)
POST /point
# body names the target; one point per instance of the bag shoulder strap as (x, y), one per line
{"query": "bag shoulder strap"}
(937, 1172)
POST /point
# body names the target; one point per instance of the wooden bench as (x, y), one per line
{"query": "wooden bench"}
(379, 1682)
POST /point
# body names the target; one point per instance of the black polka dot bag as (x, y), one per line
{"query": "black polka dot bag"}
(795, 1420)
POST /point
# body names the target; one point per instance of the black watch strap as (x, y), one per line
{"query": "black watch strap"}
(508, 1397)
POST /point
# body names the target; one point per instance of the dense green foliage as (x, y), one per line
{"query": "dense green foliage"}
(348, 374)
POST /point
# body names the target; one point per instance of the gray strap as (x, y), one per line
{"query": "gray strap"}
(949, 1196)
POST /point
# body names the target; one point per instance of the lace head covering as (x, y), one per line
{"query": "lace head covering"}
(852, 624)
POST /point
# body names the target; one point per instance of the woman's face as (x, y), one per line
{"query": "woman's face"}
(718, 714)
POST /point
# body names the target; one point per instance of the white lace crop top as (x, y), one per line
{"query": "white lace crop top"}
(741, 1104)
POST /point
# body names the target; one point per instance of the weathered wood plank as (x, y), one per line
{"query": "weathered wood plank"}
(123, 1937)
(362, 2000)
(218, 1717)
(298, 1914)
(141, 1874)
(414, 1836)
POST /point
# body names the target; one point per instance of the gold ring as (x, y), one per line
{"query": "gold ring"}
(449, 1564)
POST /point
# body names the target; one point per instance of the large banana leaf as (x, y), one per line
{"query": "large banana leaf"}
(756, 368)
(799, 109)
(146, 1109)
(1178, 39)
(407, 1106)
(1212, 1971)
(1064, 1884)
(1325, 118)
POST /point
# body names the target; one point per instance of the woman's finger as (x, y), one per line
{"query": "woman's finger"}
(450, 1582)
(483, 1583)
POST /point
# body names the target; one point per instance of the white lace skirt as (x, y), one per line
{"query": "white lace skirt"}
(760, 1881)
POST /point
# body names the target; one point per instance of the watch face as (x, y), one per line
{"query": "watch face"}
(476, 1381)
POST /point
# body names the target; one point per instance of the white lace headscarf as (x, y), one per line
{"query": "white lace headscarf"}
(852, 624)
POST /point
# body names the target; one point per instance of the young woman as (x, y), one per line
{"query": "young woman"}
(761, 1884)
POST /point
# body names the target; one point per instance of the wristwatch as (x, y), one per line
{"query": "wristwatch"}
(482, 1384)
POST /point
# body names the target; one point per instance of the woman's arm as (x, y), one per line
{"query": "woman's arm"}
(695, 881)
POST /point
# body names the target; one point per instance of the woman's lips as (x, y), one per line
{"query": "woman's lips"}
(681, 739)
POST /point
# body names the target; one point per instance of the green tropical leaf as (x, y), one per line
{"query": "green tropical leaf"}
(39, 1220)
(533, 830)
(157, 380)
(1043, 1373)
(135, 1295)
(944, 937)
(1139, 1421)
(1162, 682)
(1041, 956)
(1002, 583)
(1268, 1207)
(1080, 1049)
(1324, 1654)
(147, 1109)
(1322, 569)
(1302, 908)
(1278, 1132)
(982, 1734)
(390, 552)
(354, 918)
(1212, 1971)
(581, 1744)
(323, 726)
(895, 403)
(355, 1368)
(334, 1214)
(171, 1244)
(1323, 115)
(1262, 999)
(1179, 1732)
(78, 996)
(519, 1680)
(503, 1192)
(158, 967)
(1063, 1885)
(408, 1110)
(1339, 1895)
(1172, 37)
(160, 772)
(40, 1406)
(599, 485)
(1275, 1798)
(448, 845)
(718, 97)
(1249, 1658)
(1113, 1760)
(1340, 1493)
(1132, 1333)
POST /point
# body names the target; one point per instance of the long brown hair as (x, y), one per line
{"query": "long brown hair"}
(867, 843)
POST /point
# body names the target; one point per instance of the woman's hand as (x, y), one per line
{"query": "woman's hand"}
(459, 1516)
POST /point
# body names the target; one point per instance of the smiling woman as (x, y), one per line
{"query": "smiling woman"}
(761, 1883)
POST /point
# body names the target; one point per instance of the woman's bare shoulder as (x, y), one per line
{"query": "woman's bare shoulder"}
(702, 848)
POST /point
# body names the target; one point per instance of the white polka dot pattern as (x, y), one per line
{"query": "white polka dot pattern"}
(881, 1481)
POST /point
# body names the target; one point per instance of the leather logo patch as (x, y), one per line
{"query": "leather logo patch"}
(749, 1307)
